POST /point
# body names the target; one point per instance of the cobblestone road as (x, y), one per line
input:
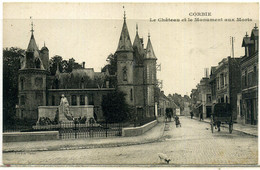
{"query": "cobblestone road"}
(191, 144)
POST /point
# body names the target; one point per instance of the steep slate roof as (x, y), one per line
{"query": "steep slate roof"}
(149, 50)
(247, 41)
(138, 48)
(32, 45)
(254, 34)
(124, 43)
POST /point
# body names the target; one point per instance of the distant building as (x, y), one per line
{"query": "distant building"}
(249, 78)
(225, 83)
(196, 101)
(186, 110)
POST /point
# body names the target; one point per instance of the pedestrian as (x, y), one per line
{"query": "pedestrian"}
(191, 115)
(177, 121)
(201, 116)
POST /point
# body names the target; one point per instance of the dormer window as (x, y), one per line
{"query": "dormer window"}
(82, 83)
(125, 73)
(38, 63)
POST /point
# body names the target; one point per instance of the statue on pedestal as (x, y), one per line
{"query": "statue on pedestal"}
(64, 113)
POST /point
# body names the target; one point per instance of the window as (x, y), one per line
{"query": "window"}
(217, 83)
(245, 79)
(148, 74)
(131, 94)
(254, 76)
(82, 100)
(90, 99)
(225, 79)
(125, 73)
(208, 98)
(37, 63)
(250, 79)
(222, 80)
(82, 83)
(22, 100)
(74, 100)
(21, 113)
(22, 83)
(53, 100)
(256, 46)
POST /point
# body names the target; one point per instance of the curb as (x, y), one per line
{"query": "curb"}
(227, 127)
(91, 146)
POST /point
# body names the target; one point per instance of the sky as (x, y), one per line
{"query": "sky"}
(90, 32)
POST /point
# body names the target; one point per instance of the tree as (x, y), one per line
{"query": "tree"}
(53, 64)
(65, 66)
(11, 66)
(112, 64)
(112, 69)
(115, 108)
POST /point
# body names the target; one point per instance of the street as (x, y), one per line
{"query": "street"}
(191, 144)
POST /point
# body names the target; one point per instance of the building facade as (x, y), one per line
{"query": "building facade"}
(249, 78)
(135, 76)
(225, 83)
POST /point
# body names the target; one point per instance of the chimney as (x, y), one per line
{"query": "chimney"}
(83, 64)
(206, 72)
(107, 84)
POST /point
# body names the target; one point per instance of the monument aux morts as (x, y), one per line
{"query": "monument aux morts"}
(40, 93)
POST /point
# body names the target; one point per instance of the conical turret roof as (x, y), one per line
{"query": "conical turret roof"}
(137, 43)
(124, 43)
(32, 45)
(149, 50)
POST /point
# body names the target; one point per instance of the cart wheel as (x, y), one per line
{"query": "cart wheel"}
(212, 124)
(230, 127)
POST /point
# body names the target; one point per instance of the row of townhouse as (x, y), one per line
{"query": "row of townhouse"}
(233, 81)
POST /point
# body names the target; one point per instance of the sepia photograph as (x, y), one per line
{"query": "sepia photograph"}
(130, 84)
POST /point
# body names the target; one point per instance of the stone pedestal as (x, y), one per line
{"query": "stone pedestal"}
(62, 117)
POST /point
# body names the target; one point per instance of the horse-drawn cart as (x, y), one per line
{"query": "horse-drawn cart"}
(221, 114)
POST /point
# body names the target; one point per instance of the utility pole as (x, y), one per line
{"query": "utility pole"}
(232, 47)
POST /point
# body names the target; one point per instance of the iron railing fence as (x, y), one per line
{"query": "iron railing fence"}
(74, 130)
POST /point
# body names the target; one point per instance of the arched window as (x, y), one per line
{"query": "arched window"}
(131, 94)
(125, 73)
(22, 83)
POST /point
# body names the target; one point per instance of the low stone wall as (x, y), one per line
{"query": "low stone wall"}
(135, 131)
(30, 136)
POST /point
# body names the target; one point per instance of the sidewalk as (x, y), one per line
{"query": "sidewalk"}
(247, 129)
(150, 136)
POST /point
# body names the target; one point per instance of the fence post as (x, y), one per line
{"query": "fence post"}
(91, 129)
(106, 128)
(75, 122)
